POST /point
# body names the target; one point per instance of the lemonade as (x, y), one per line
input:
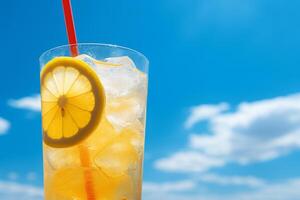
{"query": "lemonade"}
(93, 115)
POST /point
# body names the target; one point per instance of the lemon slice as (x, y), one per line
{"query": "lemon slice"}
(73, 100)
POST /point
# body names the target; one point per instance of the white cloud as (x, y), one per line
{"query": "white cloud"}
(32, 103)
(195, 182)
(216, 145)
(257, 131)
(288, 190)
(180, 186)
(285, 190)
(232, 180)
(17, 191)
(187, 161)
(254, 132)
(204, 112)
(4, 126)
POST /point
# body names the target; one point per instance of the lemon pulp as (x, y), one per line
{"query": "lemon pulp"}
(73, 100)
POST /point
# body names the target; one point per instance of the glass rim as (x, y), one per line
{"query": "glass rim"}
(96, 44)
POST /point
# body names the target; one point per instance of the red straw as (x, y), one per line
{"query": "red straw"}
(70, 27)
(84, 153)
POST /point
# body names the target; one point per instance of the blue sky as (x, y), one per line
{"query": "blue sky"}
(224, 88)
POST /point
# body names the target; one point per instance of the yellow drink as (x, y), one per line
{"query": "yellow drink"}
(105, 163)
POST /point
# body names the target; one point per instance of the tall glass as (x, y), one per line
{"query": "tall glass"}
(106, 161)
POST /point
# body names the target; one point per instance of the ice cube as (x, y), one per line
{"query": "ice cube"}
(58, 158)
(121, 80)
(125, 89)
(115, 159)
(101, 137)
(125, 111)
(135, 138)
(122, 60)
(118, 75)
(87, 59)
(124, 188)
